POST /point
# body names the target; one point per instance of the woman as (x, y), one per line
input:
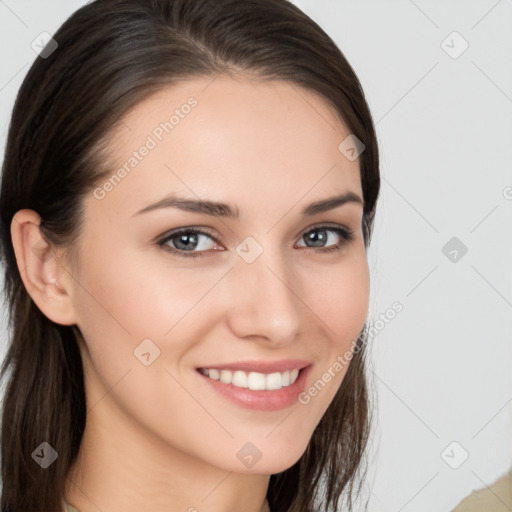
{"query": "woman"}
(188, 194)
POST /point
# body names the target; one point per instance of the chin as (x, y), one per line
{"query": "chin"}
(270, 465)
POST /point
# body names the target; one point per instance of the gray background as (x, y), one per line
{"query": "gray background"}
(441, 366)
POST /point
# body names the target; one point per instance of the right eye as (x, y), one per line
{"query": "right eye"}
(185, 240)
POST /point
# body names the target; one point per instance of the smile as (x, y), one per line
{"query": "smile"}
(254, 381)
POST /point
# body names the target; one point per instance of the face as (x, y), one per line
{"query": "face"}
(271, 285)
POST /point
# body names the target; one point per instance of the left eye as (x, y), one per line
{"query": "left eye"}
(187, 240)
(343, 233)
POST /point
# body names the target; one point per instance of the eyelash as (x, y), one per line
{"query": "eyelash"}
(346, 234)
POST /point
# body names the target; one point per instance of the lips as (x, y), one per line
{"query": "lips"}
(259, 399)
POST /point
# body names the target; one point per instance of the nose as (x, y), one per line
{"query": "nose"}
(265, 298)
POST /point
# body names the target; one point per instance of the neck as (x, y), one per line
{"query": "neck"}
(121, 466)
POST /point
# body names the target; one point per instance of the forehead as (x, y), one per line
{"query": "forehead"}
(246, 142)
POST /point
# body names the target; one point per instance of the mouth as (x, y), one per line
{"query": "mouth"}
(257, 390)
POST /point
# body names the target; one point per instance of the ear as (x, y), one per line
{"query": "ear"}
(45, 279)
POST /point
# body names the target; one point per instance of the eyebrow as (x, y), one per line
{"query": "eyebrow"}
(219, 209)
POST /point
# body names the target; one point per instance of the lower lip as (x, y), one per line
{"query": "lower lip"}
(264, 400)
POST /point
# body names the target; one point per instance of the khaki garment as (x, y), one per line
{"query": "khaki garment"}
(495, 498)
(66, 507)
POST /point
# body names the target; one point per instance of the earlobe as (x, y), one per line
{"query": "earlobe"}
(45, 280)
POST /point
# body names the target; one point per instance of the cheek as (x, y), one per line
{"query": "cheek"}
(339, 296)
(124, 300)
(340, 299)
(133, 291)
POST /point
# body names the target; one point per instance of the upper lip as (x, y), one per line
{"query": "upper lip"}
(262, 366)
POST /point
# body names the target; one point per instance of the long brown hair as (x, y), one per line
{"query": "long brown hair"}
(112, 54)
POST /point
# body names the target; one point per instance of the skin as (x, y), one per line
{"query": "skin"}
(157, 438)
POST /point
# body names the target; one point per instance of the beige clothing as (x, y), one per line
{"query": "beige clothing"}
(495, 498)
(66, 507)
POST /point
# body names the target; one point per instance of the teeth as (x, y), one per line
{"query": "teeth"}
(255, 381)
(239, 379)
(225, 376)
(213, 374)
